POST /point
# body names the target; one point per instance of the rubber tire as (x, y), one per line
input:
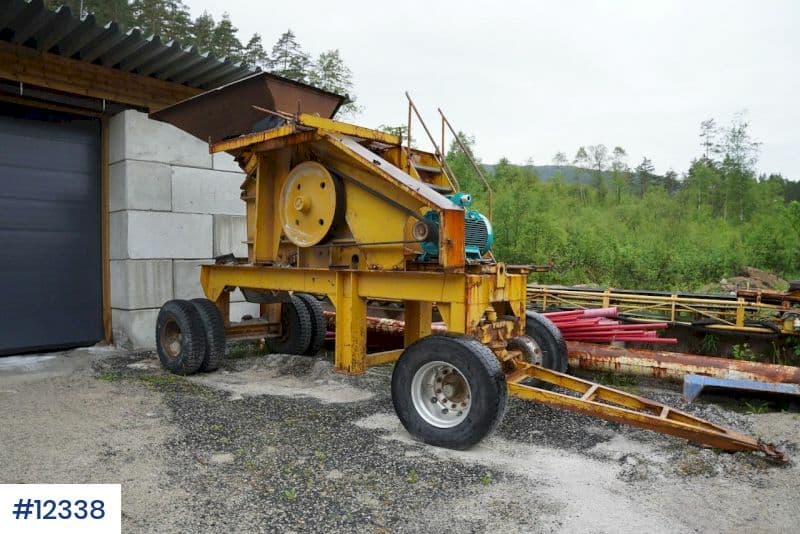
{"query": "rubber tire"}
(550, 340)
(484, 375)
(193, 342)
(296, 322)
(214, 327)
(318, 324)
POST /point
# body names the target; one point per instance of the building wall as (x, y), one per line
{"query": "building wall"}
(173, 206)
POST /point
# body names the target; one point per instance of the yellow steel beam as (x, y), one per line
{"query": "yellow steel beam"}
(380, 358)
(632, 410)
(314, 121)
(422, 286)
(252, 139)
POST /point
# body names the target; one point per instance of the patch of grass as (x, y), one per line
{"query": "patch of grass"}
(168, 382)
(619, 380)
(238, 351)
(290, 494)
(413, 477)
(110, 376)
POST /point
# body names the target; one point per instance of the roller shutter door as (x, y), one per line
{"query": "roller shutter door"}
(50, 230)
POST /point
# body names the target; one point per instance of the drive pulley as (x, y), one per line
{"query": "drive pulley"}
(308, 204)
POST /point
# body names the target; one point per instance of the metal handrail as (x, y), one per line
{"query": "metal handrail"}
(438, 154)
(489, 192)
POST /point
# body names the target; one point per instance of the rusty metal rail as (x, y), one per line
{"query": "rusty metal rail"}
(674, 365)
(746, 313)
(620, 407)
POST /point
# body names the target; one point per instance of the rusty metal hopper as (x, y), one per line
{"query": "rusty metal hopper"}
(228, 111)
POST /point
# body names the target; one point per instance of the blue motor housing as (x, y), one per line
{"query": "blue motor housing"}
(478, 233)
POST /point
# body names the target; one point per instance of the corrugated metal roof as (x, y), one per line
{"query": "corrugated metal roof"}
(29, 23)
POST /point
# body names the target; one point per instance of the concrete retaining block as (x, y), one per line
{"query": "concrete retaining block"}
(153, 235)
(223, 161)
(139, 185)
(139, 284)
(132, 135)
(206, 191)
(230, 232)
(239, 309)
(134, 329)
(186, 280)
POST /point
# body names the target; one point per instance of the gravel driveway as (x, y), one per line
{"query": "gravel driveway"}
(281, 444)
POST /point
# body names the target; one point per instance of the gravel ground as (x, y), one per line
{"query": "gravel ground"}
(279, 443)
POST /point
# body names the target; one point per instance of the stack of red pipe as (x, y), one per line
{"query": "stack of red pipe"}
(598, 326)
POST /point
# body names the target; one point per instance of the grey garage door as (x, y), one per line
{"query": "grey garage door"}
(50, 234)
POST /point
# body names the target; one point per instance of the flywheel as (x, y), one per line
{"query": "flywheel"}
(308, 204)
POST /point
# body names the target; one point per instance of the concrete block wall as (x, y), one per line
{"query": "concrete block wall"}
(173, 207)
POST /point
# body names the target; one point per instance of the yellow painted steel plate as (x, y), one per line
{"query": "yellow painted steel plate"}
(308, 204)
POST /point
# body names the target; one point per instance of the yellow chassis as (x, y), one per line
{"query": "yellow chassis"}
(462, 300)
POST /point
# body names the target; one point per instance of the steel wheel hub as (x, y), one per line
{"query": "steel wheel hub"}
(171, 338)
(440, 394)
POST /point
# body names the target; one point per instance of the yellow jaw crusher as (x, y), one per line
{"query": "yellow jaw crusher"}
(350, 213)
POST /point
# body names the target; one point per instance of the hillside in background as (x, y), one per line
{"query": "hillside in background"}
(608, 224)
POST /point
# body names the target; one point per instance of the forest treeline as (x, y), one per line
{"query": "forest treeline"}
(628, 227)
(171, 20)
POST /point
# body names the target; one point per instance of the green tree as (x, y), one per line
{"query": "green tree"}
(226, 44)
(167, 18)
(598, 157)
(644, 175)
(254, 54)
(581, 160)
(329, 72)
(288, 59)
(202, 33)
(620, 174)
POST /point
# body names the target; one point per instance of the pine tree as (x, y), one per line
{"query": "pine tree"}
(329, 72)
(226, 44)
(105, 11)
(203, 32)
(254, 54)
(288, 58)
(167, 18)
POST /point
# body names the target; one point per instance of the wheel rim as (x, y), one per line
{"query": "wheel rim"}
(441, 394)
(536, 355)
(171, 338)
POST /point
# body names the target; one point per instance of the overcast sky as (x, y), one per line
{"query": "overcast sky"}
(528, 79)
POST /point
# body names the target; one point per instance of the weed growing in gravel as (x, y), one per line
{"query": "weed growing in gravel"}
(757, 407)
(618, 380)
(167, 382)
(413, 477)
(110, 376)
(290, 494)
(238, 351)
(486, 479)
